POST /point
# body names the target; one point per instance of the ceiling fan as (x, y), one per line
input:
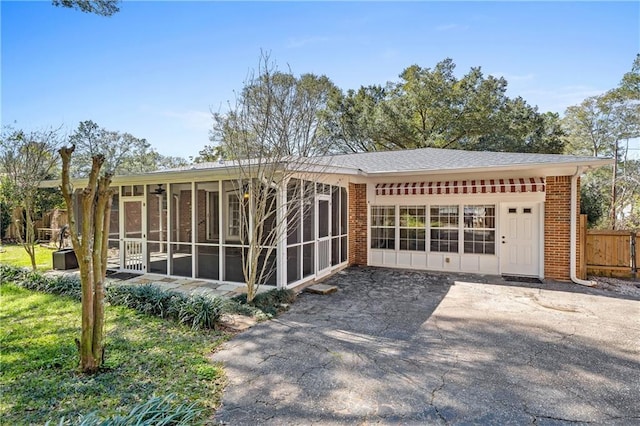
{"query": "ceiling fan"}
(159, 190)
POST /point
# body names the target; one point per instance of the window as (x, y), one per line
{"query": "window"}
(473, 233)
(479, 229)
(132, 190)
(444, 229)
(383, 227)
(413, 228)
(235, 220)
(212, 220)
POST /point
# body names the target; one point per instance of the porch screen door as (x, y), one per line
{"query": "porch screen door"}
(133, 236)
(323, 227)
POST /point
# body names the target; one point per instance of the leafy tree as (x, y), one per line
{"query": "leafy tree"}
(124, 153)
(99, 7)
(353, 120)
(431, 107)
(602, 126)
(518, 127)
(26, 159)
(268, 137)
(630, 84)
(5, 216)
(208, 153)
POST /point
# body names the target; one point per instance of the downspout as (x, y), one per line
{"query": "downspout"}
(574, 231)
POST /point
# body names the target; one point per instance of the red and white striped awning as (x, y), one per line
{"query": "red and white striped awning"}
(474, 186)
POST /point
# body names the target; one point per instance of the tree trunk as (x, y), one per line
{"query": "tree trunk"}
(90, 247)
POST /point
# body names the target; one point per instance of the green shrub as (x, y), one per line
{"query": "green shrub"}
(63, 285)
(10, 273)
(198, 312)
(147, 298)
(156, 411)
(271, 302)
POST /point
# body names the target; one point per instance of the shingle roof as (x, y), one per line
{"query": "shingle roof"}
(428, 159)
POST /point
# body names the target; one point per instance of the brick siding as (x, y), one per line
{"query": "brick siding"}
(557, 228)
(358, 224)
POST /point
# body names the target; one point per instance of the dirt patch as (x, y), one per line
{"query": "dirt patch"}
(627, 287)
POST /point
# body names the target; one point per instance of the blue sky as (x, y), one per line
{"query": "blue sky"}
(157, 69)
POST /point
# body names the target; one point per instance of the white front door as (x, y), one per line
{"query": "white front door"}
(520, 239)
(323, 235)
(133, 247)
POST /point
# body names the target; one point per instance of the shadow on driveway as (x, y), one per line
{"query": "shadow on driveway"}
(395, 346)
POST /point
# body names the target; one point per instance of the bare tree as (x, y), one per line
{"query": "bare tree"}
(90, 245)
(26, 159)
(271, 138)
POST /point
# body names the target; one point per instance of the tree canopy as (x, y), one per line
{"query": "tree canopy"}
(124, 154)
(98, 7)
(431, 107)
(603, 126)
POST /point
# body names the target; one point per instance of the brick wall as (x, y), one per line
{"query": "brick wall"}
(184, 227)
(357, 224)
(202, 216)
(557, 228)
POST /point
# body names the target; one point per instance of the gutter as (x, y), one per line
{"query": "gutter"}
(574, 231)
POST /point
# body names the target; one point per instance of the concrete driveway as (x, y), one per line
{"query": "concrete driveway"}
(401, 347)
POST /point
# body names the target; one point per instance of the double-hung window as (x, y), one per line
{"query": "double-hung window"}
(413, 231)
(383, 227)
(234, 216)
(480, 229)
(444, 228)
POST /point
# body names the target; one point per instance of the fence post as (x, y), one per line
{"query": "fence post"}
(633, 248)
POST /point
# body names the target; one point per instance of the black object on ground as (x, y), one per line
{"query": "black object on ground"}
(65, 259)
(521, 279)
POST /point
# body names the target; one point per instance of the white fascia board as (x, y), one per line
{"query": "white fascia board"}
(229, 172)
(541, 169)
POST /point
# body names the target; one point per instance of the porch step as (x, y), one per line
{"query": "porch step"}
(321, 289)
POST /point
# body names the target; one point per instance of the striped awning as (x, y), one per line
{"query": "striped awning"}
(474, 186)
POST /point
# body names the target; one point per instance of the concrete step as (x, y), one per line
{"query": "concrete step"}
(321, 289)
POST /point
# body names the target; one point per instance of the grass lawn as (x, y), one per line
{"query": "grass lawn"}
(14, 254)
(145, 356)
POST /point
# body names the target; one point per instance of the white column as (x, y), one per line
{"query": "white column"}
(282, 227)
(194, 229)
(221, 230)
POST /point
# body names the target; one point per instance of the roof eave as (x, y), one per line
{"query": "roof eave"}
(569, 166)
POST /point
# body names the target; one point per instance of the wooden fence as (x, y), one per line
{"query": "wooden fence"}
(611, 253)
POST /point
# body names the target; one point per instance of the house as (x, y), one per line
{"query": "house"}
(429, 209)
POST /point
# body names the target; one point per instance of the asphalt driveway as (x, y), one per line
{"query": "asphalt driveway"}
(401, 347)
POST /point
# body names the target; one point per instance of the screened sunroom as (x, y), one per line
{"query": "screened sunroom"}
(198, 229)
